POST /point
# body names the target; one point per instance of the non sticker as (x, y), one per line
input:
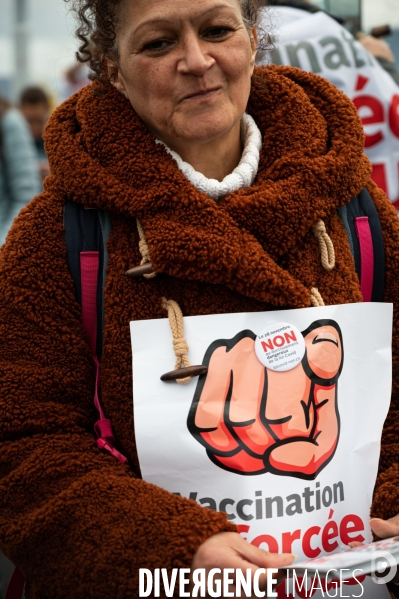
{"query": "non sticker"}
(280, 346)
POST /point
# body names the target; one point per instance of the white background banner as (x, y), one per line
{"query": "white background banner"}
(291, 456)
(317, 43)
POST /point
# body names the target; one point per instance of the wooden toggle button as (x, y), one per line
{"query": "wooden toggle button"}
(139, 271)
(182, 373)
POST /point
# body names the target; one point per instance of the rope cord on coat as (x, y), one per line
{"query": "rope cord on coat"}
(180, 346)
(144, 251)
(175, 315)
(326, 246)
(315, 298)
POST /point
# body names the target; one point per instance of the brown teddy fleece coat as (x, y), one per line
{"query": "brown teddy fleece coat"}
(77, 522)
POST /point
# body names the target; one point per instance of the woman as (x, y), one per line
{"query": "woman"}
(19, 179)
(225, 202)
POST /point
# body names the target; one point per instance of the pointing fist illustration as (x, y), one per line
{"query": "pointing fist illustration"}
(253, 420)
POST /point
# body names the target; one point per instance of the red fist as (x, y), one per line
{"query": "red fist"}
(253, 420)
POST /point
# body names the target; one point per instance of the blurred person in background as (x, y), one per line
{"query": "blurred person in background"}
(35, 106)
(19, 178)
(76, 77)
(382, 52)
(362, 67)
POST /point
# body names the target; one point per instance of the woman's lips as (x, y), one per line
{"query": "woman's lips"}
(202, 94)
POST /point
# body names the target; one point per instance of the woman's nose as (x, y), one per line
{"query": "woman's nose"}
(195, 58)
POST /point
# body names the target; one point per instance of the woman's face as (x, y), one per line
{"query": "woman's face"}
(185, 66)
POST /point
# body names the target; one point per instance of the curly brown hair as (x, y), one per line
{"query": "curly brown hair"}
(98, 22)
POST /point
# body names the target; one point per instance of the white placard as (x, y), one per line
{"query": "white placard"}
(292, 456)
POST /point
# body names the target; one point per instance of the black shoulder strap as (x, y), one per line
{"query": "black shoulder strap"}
(87, 230)
(360, 206)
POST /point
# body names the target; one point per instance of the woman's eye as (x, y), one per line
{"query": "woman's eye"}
(217, 32)
(156, 45)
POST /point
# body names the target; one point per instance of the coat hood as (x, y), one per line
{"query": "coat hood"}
(311, 163)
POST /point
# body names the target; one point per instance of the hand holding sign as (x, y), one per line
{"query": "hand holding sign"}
(229, 550)
(383, 529)
(253, 420)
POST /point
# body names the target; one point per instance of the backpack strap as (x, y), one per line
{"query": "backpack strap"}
(87, 230)
(86, 235)
(363, 227)
(89, 270)
(363, 233)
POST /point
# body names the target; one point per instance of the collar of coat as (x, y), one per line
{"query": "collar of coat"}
(311, 163)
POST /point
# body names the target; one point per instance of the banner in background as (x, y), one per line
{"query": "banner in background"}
(317, 43)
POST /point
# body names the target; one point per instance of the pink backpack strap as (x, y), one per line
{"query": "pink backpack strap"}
(89, 268)
(363, 233)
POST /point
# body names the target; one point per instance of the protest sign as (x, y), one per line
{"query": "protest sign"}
(290, 454)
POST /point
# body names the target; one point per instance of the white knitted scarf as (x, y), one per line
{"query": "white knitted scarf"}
(242, 176)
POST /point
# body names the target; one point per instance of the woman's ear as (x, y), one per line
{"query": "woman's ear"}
(254, 42)
(115, 76)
